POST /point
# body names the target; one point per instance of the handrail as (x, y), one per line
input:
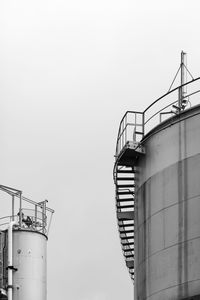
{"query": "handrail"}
(123, 127)
(6, 217)
(5, 189)
(124, 124)
(171, 103)
(160, 111)
(37, 225)
(40, 213)
(168, 93)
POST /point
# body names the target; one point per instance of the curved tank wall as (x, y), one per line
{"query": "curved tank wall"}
(167, 211)
(29, 257)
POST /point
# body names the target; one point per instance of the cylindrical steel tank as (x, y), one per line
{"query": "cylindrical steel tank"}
(29, 258)
(167, 211)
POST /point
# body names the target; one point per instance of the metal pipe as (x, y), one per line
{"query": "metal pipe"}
(10, 259)
(181, 90)
(43, 216)
(143, 123)
(13, 208)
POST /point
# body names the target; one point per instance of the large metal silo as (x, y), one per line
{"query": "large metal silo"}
(167, 210)
(158, 166)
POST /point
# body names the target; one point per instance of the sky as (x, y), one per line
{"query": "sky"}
(68, 72)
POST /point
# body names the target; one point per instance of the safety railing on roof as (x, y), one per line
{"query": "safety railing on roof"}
(131, 126)
(28, 214)
(31, 220)
(135, 125)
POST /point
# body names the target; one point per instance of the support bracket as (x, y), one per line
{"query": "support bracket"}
(11, 268)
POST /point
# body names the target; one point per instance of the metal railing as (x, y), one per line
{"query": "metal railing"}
(135, 125)
(28, 214)
(30, 221)
(130, 127)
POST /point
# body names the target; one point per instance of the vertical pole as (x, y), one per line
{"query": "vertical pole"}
(35, 216)
(13, 207)
(123, 135)
(10, 260)
(143, 120)
(125, 129)
(20, 210)
(43, 216)
(181, 90)
(136, 129)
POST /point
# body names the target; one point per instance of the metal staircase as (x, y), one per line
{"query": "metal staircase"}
(133, 126)
(128, 151)
(125, 213)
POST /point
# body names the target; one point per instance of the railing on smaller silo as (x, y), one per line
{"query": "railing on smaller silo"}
(28, 214)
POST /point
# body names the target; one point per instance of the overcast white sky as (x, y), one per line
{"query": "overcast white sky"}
(68, 72)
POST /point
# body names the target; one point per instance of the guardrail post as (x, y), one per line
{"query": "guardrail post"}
(143, 120)
(35, 216)
(125, 130)
(20, 209)
(13, 207)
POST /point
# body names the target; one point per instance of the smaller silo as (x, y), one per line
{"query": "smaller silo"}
(23, 248)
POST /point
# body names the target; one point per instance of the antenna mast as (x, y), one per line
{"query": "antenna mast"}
(181, 103)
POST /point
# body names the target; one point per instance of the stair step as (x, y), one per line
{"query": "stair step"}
(130, 264)
(127, 237)
(126, 225)
(125, 200)
(129, 256)
(125, 178)
(138, 132)
(126, 171)
(124, 206)
(125, 192)
(128, 244)
(125, 215)
(128, 250)
(122, 186)
(125, 231)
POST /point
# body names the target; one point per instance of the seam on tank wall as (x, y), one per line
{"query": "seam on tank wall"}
(172, 286)
(159, 211)
(165, 248)
(171, 204)
(188, 157)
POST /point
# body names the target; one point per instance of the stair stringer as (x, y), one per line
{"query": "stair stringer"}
(125, 171)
